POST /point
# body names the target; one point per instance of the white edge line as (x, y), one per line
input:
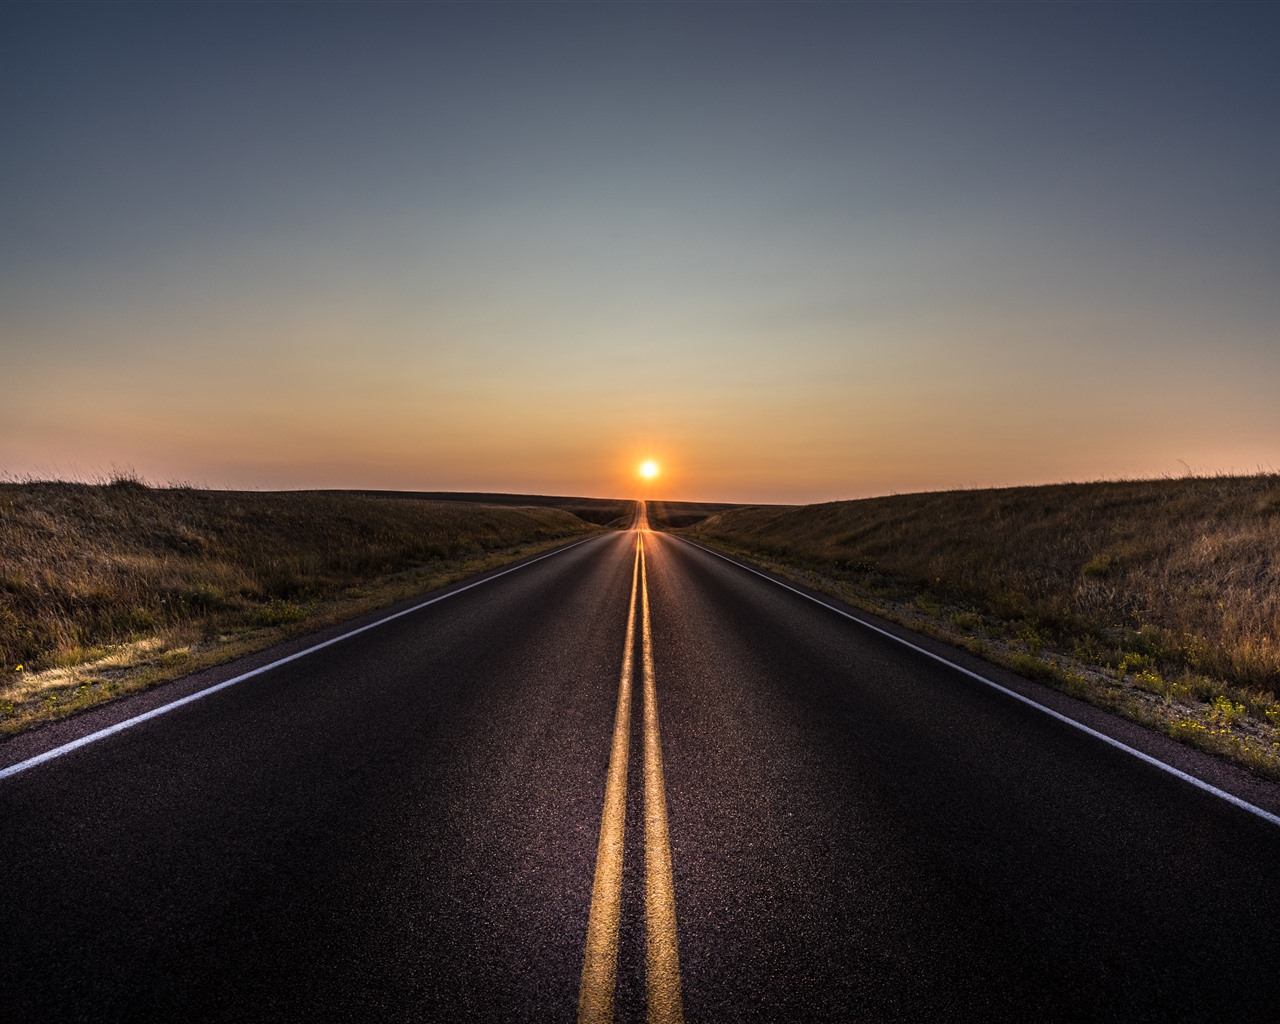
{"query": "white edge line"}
(129, 723)
(1155, 762)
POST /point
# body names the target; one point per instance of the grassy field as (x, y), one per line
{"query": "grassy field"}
(1156, 599)
(107, 589)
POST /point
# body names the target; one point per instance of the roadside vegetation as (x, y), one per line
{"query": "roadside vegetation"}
(1159, 600)
(106, 589)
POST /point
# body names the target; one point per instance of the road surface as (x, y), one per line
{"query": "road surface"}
(627, 781)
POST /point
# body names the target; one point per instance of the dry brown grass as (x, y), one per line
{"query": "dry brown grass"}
(105, 589)
(1159, 599)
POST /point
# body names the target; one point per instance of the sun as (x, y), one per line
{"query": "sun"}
(648, 469)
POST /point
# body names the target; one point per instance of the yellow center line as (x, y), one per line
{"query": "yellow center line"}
(666, 1006)
(600, 961)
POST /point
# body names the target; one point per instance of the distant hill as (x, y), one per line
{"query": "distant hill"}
(670, 515)
(614, 512)
(600, 511)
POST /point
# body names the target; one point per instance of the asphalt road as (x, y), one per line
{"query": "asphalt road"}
(407, 826)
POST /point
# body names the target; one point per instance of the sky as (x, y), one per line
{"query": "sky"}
(793, 252)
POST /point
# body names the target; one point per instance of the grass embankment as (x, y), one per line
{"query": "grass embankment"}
(108, 589)
(1159, 600)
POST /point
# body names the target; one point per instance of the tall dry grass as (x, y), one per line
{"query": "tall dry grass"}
(1172, 586)
(88, 569)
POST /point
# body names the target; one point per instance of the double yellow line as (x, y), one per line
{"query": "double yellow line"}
(600, 961)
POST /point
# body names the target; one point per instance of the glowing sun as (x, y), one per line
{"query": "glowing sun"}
(648, 469)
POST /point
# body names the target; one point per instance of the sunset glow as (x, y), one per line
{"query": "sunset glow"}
(648, 469)
(826, 251)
